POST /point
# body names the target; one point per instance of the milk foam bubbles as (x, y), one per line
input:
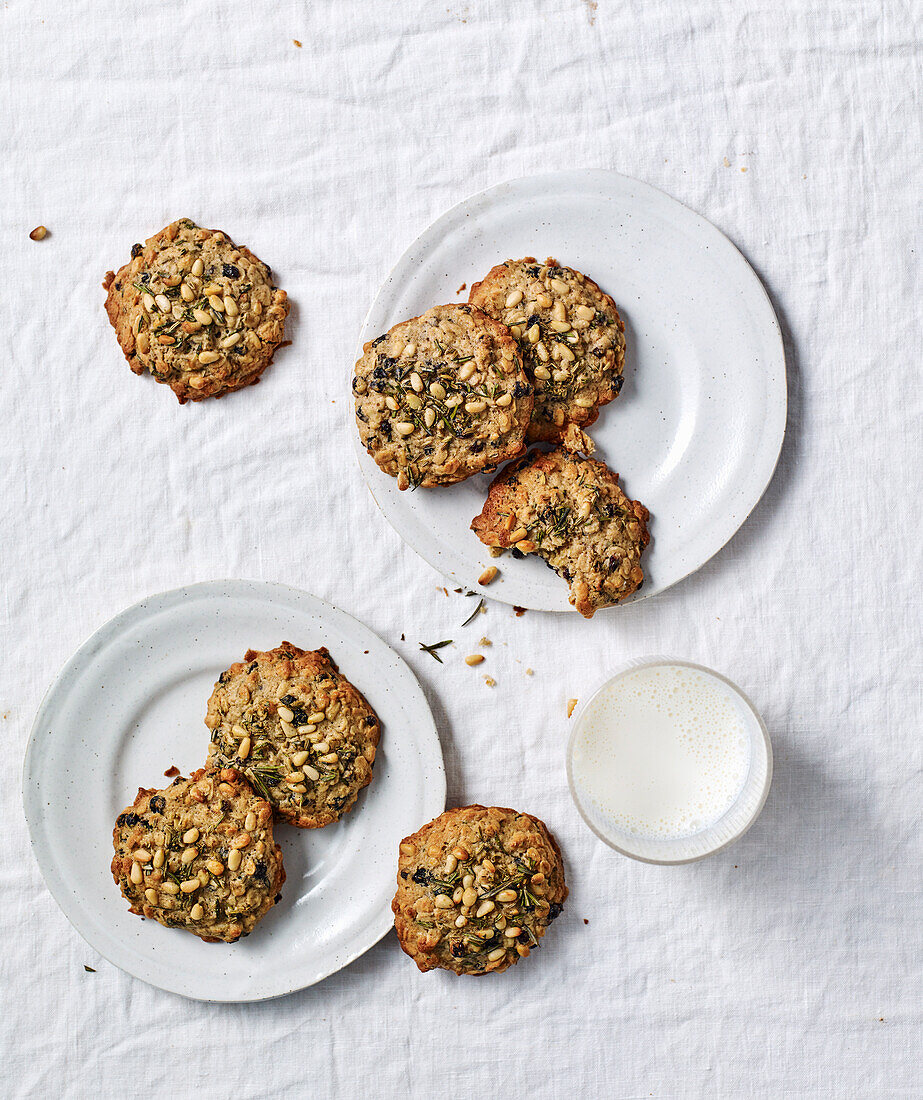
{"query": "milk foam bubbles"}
(662, 751)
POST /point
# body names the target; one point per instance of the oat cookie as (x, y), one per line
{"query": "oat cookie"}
(476, 889)
(199, 313)
(572, 341)
(199, 855)
(570, 511)
(441, 397)
(300, 732)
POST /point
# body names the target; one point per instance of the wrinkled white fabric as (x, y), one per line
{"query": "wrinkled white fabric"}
(787, 966)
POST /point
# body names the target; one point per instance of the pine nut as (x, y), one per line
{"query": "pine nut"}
(216, 303)
(230, 341)
(234, 858)
(330, 758)
(197, 381)
(442, 901)
(516, 331)
(474, 659)
(484, 908)
(147, 300)
(558, 287)
(488, 575)
(409, 349)
(470, 896)
(513, 298)
(250, 822)
(163, 303)
(197, 912)
(506, 895)
(584, 402)
(311, 773)
(317, 716)
(542, 353)
(525, 545)
(198, 268)
(136, 874)
(585, 312)
(392, 404)
(305, 730)
(142, 855)
(416, 382)
(190, 836)
(475, 407)
(437, 390)
(558, 311)
(230, 306)
(503, 400)
(285, 714)
(518, 535)
(560, 375)
(512, 932)
(408, 850)
(169, 888)
(461, 920)
(537, 880)
(187, 293)
(429, 417)
(496, 954)
(158, 858)
(38, 233)
(243, 750)
(544, 300)
(151, 895)
(299, 758)
(403, 428)
(208, 357)
(202, 316)
(188, 856)
(215, 866)
(413, 402)
(294, 777)
(321, 746)
(240, 841)
(461, 854)
(465, 371)
(543, 373)
(454, 401)
(451, 862)
(566, 353)
(190, 885)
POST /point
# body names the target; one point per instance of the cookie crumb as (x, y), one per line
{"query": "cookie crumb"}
(727, 163)
(743, 169)
(297, 43)
(520, 611)
(529, 672)
(464, 286)
(571, 703)
(171, 772)
(490, 681)
(38, 233)
(88, 969)
(585, 921)
(485, 641)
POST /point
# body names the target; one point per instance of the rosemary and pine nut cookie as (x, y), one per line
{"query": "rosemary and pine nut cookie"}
(299, 731)
(199, 313)
(570, 511)
(572, 341)
(476, 889)
(441, 397)
(199, 855)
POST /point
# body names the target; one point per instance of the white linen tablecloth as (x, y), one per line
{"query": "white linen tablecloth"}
(789, 965)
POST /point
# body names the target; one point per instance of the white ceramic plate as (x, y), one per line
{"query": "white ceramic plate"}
(697, 429)
(131, 702)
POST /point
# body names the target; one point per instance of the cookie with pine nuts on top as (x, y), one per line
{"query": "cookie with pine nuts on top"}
(441, 397)
(571, 512)
(199, 855)
(299, 731)
(476, 889)
(196, 311)
(571, 338)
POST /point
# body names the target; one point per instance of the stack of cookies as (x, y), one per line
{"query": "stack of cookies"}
(532, 357)
(291, 740)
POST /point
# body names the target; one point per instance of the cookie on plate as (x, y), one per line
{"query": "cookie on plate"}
(570, 511)
(476, 889)
(199, 855)
(199, 313)
(572, 341)
(298, 730)
(441, 397)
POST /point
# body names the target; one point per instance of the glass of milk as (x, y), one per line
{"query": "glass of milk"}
(669, 761)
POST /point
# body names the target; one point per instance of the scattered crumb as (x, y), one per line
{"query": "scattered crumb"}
(39, 233)
(591, 6)
(485, 641)
(490, 681)
(496, 551)
(727, 163)
(297, 43)
(743, 169)
(172, 771)
(403, 639)
(464, 286)
(365, 651)
(585, 921)
(456, 590)
(520, 611)
(88, 969)
(529, 672)
(571, 703)
(881, 1019)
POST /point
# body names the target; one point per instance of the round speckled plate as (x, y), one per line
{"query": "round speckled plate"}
(131, 702)
(698, 427)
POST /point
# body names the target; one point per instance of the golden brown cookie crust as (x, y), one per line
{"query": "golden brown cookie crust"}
(300, 732)
(442, 396)
(196, 311)
(572, 341)
(476, 889)
(572, 512)
(199, 855)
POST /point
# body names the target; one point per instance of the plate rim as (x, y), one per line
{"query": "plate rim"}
(32, 810)
(583, 175)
